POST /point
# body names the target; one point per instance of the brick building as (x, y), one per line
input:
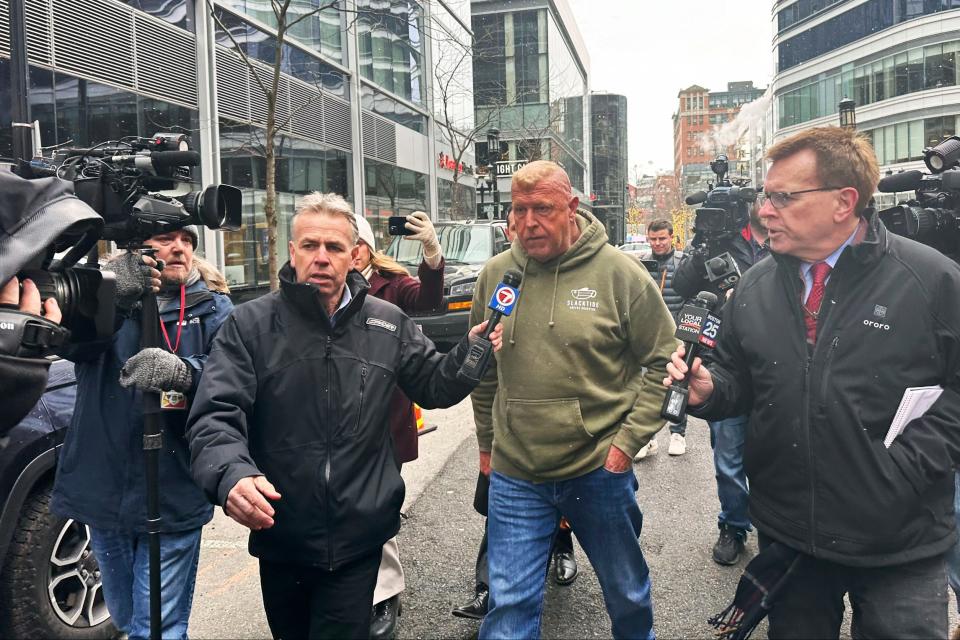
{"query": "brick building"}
(699, 113)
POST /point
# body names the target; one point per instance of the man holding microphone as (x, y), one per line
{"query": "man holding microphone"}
(818, 345)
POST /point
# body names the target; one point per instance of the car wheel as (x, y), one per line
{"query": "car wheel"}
(50, 584)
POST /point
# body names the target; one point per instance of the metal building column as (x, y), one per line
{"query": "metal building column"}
(209, 122)
(433, 185)
(356, 130)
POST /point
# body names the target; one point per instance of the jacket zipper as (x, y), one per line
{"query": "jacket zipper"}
(826, 368)
(326, 465)
(806, 424)
(363, 383)
(795, 296)
(808, 391)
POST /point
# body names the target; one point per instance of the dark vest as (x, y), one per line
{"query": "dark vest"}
(664, 279)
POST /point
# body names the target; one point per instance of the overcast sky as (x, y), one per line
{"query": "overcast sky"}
(648, 50)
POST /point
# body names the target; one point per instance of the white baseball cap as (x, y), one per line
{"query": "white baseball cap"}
(366, 232)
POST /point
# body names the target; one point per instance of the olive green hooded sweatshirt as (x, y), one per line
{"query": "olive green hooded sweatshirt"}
(570, 380)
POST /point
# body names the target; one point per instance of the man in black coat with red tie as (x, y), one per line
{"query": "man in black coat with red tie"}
(818, 345)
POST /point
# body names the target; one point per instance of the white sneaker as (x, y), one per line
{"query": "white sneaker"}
(678, 445)
(649, 448)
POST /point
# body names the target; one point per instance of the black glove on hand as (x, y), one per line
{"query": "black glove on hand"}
(133, 278)
(156, 370)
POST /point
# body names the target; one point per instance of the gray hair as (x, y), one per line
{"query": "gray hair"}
(331, 204)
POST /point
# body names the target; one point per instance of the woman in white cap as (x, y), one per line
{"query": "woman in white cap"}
(390, 281)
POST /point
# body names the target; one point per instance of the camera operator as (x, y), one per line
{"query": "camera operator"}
(726, 436)
(34, 215)
(660, 238)
(100, 478)
(820, 344)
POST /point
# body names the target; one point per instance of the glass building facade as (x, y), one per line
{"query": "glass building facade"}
(608, 135)
(352, 106)
(903, 80)
(851, 25)
(530, 82)
(910, 71)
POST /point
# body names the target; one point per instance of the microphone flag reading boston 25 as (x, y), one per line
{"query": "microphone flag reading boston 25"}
(696, 326)
(502, 301)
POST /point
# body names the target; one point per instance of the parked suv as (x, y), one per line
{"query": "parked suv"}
(467, 245)
(49, 578)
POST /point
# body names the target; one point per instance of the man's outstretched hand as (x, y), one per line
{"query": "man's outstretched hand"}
(248, 502)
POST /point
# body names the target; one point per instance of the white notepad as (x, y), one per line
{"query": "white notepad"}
(916, 401)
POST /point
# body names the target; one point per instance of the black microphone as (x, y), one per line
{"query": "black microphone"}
(502, 301)
(696, 197)
(904, 181)
(162, 159)
(696, 326)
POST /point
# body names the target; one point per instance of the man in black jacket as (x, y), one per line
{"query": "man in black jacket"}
(819, 344)
(289, 432)
(660, 238)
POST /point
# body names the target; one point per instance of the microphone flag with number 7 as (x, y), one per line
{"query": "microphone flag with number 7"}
(502, 302)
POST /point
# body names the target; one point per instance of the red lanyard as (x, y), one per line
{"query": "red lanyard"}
(183, 304)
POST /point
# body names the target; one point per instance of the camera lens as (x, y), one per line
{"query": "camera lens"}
(57, 286)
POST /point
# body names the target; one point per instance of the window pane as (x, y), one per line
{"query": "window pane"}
(915, 70)
(916, 140)
(902, 133)
(889, 144)
(933, 67)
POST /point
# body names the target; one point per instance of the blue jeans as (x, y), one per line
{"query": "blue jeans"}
(726, 438)
(124, 560)
(679, 427)
(522, 519)
(953, 556)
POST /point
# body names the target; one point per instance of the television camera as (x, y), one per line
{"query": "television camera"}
(933, 216)
(724, 215)
(140, 187)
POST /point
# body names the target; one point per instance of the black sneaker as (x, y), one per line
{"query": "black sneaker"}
(729, 545)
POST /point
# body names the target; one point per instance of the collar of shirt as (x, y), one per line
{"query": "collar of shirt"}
(830, 260)
(344, 301)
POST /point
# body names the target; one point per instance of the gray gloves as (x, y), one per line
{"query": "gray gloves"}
(133, 278)
(156, 370)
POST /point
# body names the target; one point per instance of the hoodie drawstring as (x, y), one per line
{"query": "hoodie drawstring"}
(556, 283)
(523, 276)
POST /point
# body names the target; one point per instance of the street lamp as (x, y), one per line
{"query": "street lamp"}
(482, 189)
(493, 155)
(848, 113)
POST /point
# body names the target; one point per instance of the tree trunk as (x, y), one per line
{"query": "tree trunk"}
(270, 206)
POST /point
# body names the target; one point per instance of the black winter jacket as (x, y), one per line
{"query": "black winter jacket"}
(306, 405)
(101, 477)
(664, 279)
(690, 276)
(821, 480)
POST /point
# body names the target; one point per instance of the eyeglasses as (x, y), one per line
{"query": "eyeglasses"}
(780, 199)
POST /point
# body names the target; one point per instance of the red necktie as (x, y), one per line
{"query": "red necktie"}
(811, 309)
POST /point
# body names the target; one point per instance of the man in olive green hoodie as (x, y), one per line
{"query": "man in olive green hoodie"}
(570, 399)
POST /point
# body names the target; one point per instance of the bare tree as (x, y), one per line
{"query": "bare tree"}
(453, 58)
(267, 80)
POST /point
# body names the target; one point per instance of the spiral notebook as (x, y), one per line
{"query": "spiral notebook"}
(916, 401)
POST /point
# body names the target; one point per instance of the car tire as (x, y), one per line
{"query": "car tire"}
(50, 582)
